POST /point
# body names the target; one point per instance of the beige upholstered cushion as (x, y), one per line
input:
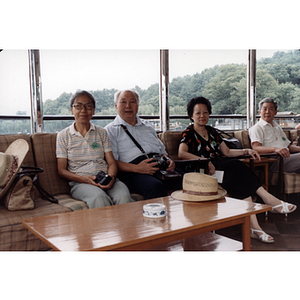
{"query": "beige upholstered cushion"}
(44, 152)
(171, 141)
(291, 183)
(7, 139)
(243, 137)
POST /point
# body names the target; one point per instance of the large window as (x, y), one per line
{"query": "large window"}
(219, 75)
(14, 79)
(14, 90)
(278, 77)
(101, 72)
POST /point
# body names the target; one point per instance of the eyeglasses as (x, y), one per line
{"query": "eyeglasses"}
(80, 106)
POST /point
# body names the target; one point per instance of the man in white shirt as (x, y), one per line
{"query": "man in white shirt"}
(137, 174)
(267, 136)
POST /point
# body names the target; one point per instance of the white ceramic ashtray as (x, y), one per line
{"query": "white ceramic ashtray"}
(154, 210)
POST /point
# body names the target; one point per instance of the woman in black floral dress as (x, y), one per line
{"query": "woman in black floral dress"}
(200, 140)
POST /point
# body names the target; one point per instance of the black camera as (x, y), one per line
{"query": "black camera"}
(162, 162)
(103, 178)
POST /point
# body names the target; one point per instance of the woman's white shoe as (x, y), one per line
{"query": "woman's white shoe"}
(263, 237)
(285, 208)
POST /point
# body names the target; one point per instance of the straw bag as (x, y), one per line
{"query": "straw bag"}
(19, 195)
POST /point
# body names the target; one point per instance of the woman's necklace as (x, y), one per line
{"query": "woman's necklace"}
(203, 134)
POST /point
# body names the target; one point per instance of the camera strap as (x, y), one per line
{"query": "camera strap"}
(161, 175)
(134, 140)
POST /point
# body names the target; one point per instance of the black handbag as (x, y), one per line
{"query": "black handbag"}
(230, 141)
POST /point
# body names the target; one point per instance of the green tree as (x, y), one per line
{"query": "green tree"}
(152, 91)
(55, 107)
(176, 101)
(178, 110)
(241, 95)
(140, 91)
(147, 109)
(278, 71)
(111, 111)
(266, 85)
(294, 103)
(285, 95)
(283, 66)
(198, 81)
(104, 99)
(222, 90)
(153, 101)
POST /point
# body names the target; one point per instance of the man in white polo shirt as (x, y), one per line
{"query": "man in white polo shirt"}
(267, 137)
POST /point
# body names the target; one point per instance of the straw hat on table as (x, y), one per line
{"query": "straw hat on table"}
(199, 187)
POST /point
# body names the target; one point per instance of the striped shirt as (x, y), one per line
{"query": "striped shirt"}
(85, 155)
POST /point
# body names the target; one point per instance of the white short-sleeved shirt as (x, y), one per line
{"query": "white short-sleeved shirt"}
(123, 147)
(85, 155)
(268, 135)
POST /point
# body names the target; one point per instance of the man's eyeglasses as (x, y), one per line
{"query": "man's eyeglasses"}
(80, 106)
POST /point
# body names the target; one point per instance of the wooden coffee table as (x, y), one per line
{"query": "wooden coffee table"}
(123, 227)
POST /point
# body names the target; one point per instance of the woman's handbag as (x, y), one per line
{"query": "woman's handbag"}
(18, 196)
(230, 141)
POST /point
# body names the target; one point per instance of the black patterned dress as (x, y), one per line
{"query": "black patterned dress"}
(239, 181)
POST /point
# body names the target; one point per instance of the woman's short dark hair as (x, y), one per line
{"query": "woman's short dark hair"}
(195, 101)
(82, 93)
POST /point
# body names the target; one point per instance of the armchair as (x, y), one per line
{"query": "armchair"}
(171, 140)
(286, 183)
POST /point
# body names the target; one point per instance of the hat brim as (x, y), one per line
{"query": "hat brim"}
(18, 148)
(179, 195)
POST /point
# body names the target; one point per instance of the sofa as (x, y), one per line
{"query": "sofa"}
(13, 235)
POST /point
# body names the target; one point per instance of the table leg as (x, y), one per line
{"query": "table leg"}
(246, 234)
(267, 177)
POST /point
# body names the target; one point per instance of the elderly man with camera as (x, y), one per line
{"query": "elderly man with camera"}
(137, 149)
